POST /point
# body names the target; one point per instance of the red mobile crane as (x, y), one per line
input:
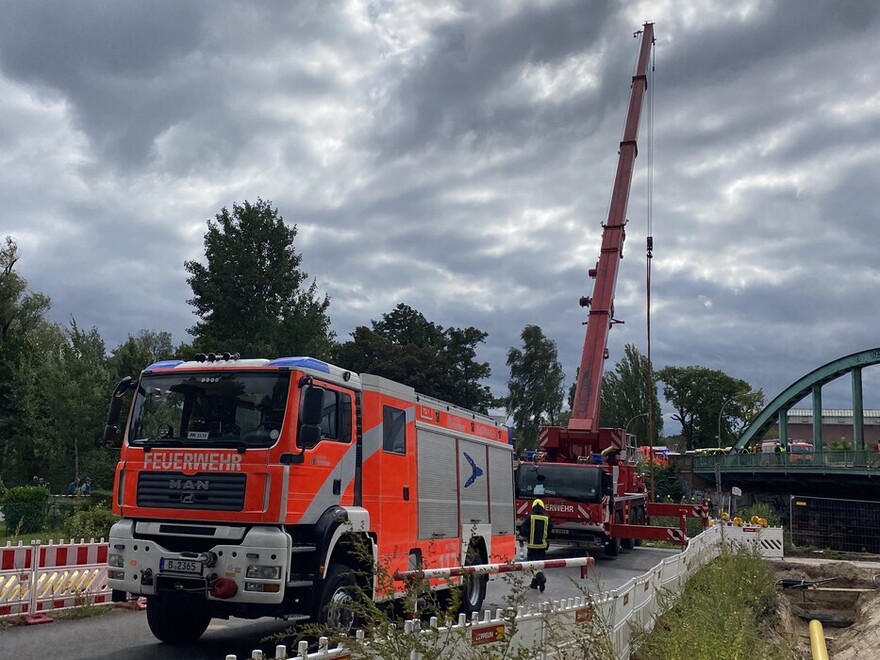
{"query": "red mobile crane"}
(605, 503)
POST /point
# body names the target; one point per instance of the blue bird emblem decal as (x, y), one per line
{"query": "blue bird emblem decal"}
(476, 471)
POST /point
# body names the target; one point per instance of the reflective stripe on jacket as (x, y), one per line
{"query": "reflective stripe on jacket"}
(539, 527)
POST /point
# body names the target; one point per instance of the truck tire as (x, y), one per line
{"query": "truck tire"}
(627, 544)
(638, 519)
(174, 625)
(612, 545)
(337, 607)
(473, 587)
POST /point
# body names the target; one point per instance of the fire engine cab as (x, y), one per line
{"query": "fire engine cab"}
(276, 487)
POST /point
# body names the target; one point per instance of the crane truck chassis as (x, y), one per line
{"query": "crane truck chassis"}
(251, 487)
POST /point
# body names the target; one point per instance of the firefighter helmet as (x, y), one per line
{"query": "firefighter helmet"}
(539, 503)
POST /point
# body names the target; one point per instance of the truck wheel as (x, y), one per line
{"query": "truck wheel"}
(473, 587)
(612, 545)
(627, 544)
(174, 625)
(638, 519)
(337, 606)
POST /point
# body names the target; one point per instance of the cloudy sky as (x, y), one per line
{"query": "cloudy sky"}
(458, 157)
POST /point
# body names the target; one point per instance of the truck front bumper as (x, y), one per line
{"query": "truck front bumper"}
(254, 569)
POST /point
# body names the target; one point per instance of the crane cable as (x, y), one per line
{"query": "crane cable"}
(649, 255)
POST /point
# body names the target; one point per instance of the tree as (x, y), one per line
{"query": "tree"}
(702, 397)
(251, 296)
(139, 351)
(535, 388)
(71, 391)
(22, 323)
(406, 347)
(628, 393)
(20, 310)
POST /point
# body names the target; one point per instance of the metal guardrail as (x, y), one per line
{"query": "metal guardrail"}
(868, 460)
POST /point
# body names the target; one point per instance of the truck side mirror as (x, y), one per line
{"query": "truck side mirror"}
(312, 406)
(310, 417)
(111, 429)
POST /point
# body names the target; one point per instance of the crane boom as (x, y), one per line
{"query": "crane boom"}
(585, 410)
(587, 477)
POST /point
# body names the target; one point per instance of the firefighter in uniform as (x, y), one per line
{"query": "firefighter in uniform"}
(535, 530)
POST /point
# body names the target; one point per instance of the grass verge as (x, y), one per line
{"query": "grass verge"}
(722, 614)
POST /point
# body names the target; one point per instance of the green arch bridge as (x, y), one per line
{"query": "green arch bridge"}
(853, 474)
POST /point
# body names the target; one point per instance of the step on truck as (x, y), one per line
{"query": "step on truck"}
(284, 487)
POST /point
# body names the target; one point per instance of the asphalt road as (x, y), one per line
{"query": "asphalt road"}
(125, 634)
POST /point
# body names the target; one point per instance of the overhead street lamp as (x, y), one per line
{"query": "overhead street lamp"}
(721, 412)
(626, 428)
(717, 457)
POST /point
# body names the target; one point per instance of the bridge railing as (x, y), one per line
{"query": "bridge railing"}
(867, 459)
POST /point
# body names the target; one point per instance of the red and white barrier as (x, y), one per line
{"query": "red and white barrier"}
(37, 578)
(16, 573)
(486, 569)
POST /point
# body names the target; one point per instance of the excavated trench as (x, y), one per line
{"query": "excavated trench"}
(844, 596)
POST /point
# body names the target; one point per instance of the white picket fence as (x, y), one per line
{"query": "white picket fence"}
(555, 629)
(40, 578)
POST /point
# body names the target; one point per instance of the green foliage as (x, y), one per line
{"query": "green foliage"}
(840, 445)
(100, 499)
(25, 508)
(92, 523)
(60, 509)
(252, 297)
(71, 388)
(22, 324)
(628, 393)
(139, 351)
(406, 347)
(720, 615)
(668, 486)
(761, 510)
(704, 398)
(535, 386)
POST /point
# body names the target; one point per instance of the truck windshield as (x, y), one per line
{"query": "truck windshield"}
(572, 482)
(210, 409)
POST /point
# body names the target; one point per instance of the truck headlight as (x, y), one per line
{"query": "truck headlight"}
(117, 561)
(259, 572)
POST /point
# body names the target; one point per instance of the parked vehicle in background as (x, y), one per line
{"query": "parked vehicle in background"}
(795, 450)
(659, 455)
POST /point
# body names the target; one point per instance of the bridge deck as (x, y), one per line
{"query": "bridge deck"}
(832, 473)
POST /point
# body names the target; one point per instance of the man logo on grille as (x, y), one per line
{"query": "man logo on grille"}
(187, 498)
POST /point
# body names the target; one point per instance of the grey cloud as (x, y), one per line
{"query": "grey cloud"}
(377, 144)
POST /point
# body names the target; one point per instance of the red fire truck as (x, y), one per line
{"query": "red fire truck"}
(275, 487)
(587, 476)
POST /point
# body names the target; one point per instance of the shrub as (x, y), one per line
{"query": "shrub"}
(667, 484)
(100, 499)
(25, 508)
(60, 509)
(762, 510)
(88, 524)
